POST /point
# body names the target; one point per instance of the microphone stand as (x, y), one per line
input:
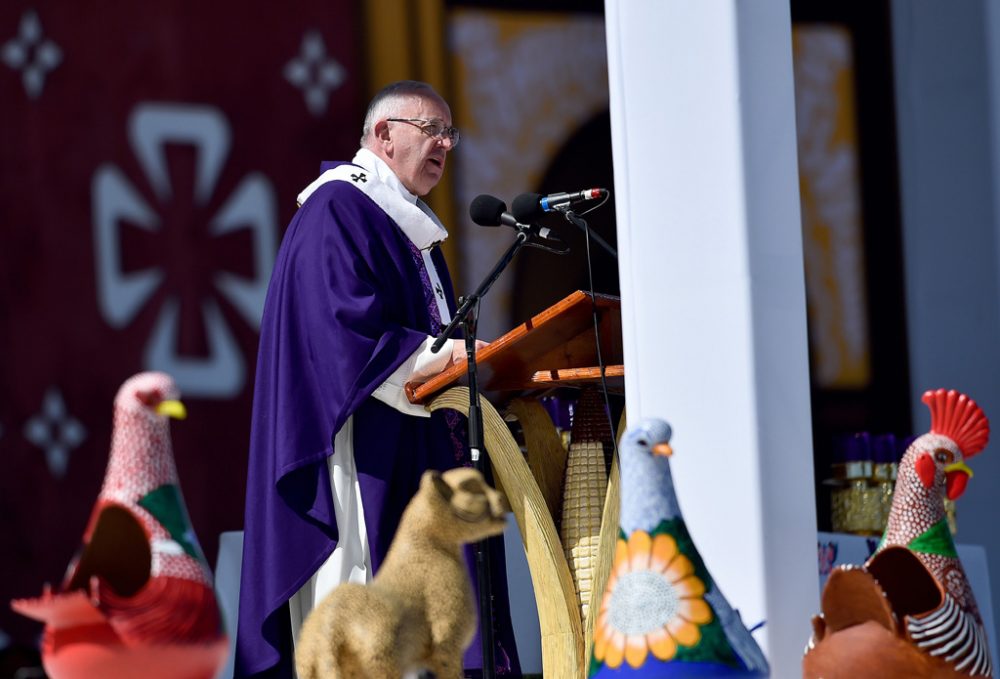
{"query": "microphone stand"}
(572, 218)
(466, 315)
(582, 224)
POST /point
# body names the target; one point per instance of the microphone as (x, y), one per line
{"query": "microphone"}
(487, 210)
(530, 206)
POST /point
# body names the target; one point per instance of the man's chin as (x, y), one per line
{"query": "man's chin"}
(425, 187)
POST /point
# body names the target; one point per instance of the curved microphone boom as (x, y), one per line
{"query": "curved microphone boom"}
(487, 210)
(530, 206)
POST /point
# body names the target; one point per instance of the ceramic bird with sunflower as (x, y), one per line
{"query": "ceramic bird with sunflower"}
(910, 610)
(138, 599)
(661, 614)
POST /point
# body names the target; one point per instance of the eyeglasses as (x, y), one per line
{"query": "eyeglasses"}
(432, 128)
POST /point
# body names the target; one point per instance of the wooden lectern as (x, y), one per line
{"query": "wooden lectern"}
(555, 348)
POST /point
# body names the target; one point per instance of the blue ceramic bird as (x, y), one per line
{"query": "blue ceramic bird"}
(661, 614)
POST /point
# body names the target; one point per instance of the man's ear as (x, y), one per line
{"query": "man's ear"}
(381, 132)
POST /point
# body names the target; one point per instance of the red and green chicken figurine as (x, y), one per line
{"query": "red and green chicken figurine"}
(909, 611)
(138, 599)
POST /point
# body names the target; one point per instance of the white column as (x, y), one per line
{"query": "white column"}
(713, 297)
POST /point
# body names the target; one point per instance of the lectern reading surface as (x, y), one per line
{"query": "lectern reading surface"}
(554, 348)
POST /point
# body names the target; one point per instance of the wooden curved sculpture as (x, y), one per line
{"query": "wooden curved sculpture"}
(556, 348)
(558, 615)
(533, 487)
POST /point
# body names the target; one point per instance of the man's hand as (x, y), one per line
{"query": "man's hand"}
(458, 350)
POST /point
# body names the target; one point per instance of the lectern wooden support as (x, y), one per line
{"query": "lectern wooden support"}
(555, 348)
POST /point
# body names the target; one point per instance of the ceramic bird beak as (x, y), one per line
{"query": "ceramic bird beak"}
(956, 476)
(663, 449)
(172, 408)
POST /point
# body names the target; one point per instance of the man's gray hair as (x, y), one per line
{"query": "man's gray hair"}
(388, 102)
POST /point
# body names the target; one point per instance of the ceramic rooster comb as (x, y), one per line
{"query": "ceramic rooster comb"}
(909, 611)
(138, 600)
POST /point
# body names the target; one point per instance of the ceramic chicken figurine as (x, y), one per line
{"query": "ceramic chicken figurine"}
(661, 614)
(138, 599)
(909, 611)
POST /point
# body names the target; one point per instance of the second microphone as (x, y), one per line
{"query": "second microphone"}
(487, 210)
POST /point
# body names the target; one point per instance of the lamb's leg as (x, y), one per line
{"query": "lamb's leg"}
(307, 651)
(446, 664)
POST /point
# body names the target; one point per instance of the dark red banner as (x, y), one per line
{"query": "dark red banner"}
(150, 155)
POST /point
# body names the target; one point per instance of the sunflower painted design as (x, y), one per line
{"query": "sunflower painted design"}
(653, 602)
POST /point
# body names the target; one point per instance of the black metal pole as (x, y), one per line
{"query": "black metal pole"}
(477, 450)
(466, 315)
(575, 219)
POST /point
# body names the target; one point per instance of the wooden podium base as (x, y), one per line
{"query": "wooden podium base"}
(531, 487)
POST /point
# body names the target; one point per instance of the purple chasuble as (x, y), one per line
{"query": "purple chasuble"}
(346, 306)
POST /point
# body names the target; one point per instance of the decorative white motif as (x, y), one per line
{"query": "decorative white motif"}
(313, 72)
(222, 374)
(506, 145)
(642, 602)
(831, 208)
(55, 431)
(31, 53)
(152, 126)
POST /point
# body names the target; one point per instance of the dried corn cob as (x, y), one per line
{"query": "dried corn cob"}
(584, 490)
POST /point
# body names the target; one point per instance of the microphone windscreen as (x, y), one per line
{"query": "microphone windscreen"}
(527, 207)
(485, 210)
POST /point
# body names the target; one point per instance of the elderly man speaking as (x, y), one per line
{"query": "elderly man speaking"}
(358, 292)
